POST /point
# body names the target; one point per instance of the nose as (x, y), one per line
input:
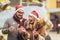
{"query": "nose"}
(21, 14)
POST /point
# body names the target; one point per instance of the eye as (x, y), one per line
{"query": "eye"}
(20, 12)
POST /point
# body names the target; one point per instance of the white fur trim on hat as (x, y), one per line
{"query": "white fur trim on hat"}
(34, 16)
(19, 9)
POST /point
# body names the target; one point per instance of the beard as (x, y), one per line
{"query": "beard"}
(19, 16)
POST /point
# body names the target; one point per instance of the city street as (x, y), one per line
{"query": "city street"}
(9, 13)
(47, 10)
(54, 35)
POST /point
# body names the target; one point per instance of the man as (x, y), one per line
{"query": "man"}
(11, 25)
(58, 26)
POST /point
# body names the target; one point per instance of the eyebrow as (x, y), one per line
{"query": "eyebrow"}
(20, 11)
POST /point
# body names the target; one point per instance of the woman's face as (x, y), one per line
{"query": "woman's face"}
(31, 19)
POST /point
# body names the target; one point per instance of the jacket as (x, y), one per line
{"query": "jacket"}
(11, 22)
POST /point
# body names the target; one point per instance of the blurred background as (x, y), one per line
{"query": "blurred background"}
(48, 8)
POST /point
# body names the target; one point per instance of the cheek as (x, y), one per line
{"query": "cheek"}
(30, 18)
(17, 14)
(21, 14)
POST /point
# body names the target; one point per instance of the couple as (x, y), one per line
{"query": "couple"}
(17, 23)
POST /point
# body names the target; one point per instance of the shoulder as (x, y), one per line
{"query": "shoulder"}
(9, 20)
(24, 19)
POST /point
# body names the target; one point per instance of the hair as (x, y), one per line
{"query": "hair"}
(40, 28)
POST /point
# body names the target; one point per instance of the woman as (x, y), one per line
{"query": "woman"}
(33, 27)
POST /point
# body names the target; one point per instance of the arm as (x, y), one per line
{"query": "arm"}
(5, 28)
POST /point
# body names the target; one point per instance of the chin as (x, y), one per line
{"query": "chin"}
(20, 17)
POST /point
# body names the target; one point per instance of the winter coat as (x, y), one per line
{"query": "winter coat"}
(14, 21)
(40, 30)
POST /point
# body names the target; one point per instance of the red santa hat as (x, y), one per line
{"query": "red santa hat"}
(18, 7)
(34, 14)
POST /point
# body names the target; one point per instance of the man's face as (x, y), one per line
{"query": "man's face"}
(19, 14)
(31, 19)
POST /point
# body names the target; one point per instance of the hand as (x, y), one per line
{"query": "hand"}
(11, 29)
(21, 20)
(35, 32)
(21, 29)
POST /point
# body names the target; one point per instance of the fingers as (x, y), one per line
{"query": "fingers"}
(11, 28)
